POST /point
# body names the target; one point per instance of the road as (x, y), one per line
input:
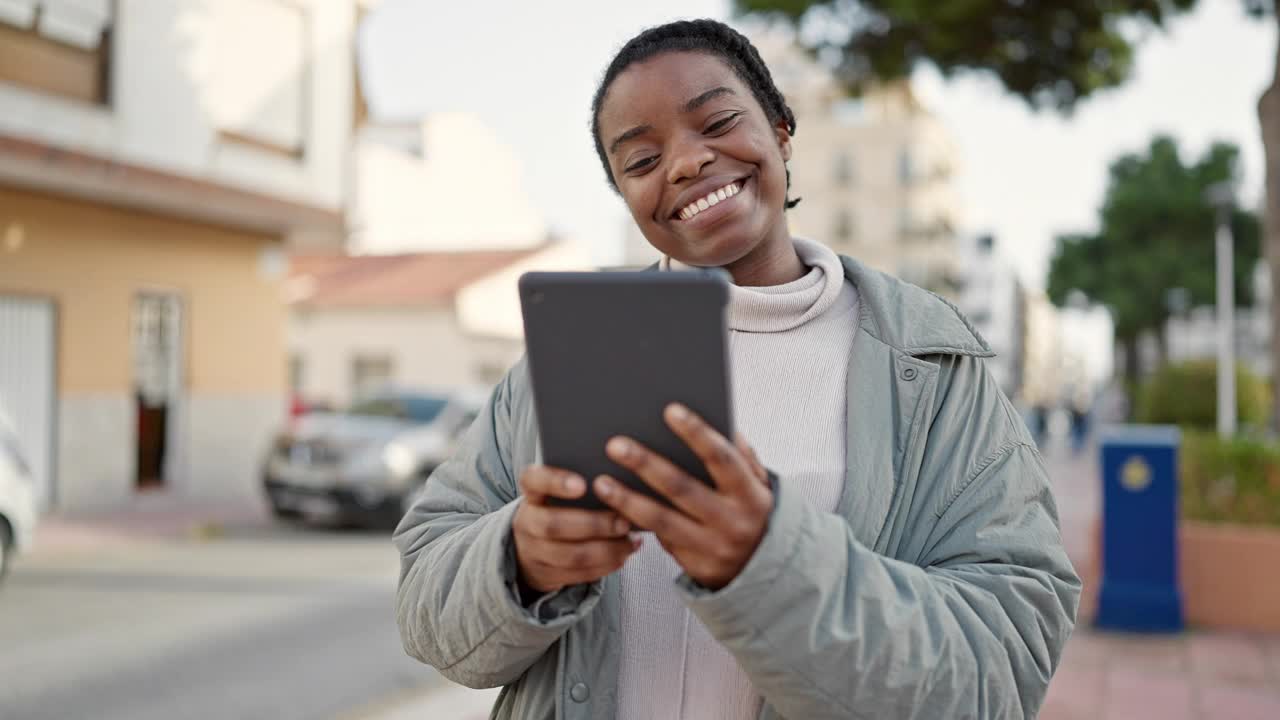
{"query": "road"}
(262, 622)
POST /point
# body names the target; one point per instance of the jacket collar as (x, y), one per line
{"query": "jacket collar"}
(911, 319)
(908, 318)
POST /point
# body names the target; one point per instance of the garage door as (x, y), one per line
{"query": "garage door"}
(27, 396)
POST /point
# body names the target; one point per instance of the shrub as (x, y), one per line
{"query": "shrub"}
(1186, 394)
(1232, 481)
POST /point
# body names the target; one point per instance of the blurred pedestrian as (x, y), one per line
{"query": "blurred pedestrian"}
(903, 557)
(1039, 424)
(1079, 407)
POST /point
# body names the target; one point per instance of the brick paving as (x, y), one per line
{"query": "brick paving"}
(149, 516)
(1196, 675)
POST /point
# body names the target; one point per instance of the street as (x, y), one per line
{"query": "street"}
(162, 612)
(262, 621)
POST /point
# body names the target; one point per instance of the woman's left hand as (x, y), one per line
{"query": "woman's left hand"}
(711, 532)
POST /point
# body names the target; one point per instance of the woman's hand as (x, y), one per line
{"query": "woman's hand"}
(712, 532)
(559, 546)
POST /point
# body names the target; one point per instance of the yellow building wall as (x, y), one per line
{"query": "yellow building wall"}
(93, 259)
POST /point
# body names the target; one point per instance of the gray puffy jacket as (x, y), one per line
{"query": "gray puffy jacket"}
(938, 589)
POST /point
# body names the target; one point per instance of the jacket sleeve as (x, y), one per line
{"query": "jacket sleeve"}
(973, 628)
(457, 604)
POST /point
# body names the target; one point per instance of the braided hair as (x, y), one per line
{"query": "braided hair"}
(703, 36)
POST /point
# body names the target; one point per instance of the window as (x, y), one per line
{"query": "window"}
(58, 47)
(257, 95)
(370, 373)
(418, 408)
(489, 372)
(906, 222)
(842, 231)
(844, 169)
(297, 372)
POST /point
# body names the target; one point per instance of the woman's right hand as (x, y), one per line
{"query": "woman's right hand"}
(561, 546)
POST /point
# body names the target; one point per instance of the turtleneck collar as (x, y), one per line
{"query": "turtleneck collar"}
(778, 308)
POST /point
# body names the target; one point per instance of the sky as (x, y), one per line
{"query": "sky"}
(530, 69)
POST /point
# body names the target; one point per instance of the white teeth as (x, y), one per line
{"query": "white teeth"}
(712, 198)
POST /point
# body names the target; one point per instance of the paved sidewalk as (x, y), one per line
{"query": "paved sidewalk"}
(1197, 675)
(146, 517)
(453, 702)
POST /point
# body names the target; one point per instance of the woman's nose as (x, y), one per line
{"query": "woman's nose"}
(688, 159)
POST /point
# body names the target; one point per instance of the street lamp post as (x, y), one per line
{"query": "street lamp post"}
(1221, 197)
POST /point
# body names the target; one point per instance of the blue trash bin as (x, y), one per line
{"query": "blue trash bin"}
(1140, 586)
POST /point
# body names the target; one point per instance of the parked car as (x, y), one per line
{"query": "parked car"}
(17, 499)
(365, 465)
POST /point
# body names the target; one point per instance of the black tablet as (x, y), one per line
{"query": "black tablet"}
(608, 351)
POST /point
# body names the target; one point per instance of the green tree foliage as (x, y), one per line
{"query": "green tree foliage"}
(1051, 53)
(1186, 394)
(1157, 231)
(1236, 480)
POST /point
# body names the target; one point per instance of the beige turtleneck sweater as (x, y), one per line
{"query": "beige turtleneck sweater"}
(789, 348)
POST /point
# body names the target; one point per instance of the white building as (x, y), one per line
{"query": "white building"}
(1193, 334)
(446, 183)
(156, 159)
(874, 174)
(1044, 361)
(992, 298)
(437, 320)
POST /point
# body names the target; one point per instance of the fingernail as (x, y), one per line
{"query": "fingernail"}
(619, 447)
(574, 484)
(620, 526)
(678, 412)
(636, 541)
(604, 486)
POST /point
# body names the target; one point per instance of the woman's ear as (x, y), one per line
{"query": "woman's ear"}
(784, 139)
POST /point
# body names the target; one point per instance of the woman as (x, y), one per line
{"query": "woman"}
(901, 560)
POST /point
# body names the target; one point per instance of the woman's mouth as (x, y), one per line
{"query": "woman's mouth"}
(709, 206)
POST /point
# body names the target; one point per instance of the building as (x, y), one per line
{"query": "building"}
(445, 183)
(991, 296)
(1045, 364)
(1192, 333)
(157, 159)
(1045, 356)
(875, 174)
(432, 320)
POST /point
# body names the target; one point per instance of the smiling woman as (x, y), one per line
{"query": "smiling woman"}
(687, 129)
(879, 541)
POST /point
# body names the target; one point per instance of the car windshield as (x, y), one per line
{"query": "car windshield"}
(418, 408)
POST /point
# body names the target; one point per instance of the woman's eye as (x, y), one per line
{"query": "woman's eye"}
(722, 125)
(642, 164)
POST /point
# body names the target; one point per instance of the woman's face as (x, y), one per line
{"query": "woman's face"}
(681, 128)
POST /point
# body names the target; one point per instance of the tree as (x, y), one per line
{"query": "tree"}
(1156, 234)
(1269, 121)
(1051, 53)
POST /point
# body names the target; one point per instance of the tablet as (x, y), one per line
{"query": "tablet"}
(607, 351)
